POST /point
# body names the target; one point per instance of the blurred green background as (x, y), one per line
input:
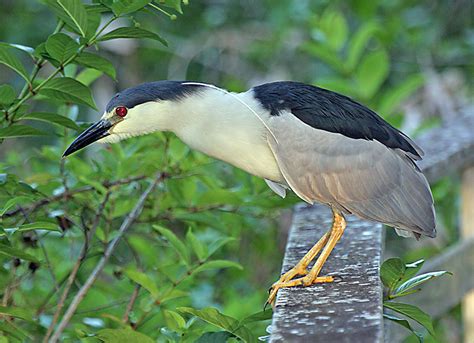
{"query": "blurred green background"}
(411, 61)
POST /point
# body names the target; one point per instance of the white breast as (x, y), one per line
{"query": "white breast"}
(224, 127)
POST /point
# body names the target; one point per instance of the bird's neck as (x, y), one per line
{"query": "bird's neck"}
(227, 126)
(214, 111)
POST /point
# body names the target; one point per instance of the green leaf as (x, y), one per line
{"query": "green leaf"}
(335, 30)
(11, 61)
(392, 99)
(28, 49)
(404, 323)
(93, 19)
(97, 62)
(20, 131)
(175, 4)
(325, 54)
(175, 242)
(131, 32)
(219, 197)
(258, 317)
(411, 269)
(52, 118)
(218, 243)
(13, 331)
(199, 249)
(87, 76)
(122, 336)
(7, 94)
(372, 72)
(217, 264)
(68, 90)
(358, 43)
(214, 337)
(337, 84)
(174, 321)
(13, 252)
(128, 6)
(61, 47)
(170, 335)
(40, 225)
(206, 218)
(17, 312)
(72, 12)
(214, 317)
(416, 281)
(412, 312)
(143, 280)
(177, 151)
(391, 272)
(94, 183)
(173, 294)
(12, 202)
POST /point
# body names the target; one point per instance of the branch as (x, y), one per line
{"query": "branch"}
(77, 265)
(101, 264)
(71, 192)
(35, 90)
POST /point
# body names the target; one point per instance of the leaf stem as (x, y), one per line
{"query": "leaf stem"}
(36, 89)
(131, 303)
(39, 63)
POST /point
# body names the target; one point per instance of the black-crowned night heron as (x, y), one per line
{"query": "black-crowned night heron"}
(322, 145)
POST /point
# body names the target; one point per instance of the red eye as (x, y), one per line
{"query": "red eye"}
(121, 111)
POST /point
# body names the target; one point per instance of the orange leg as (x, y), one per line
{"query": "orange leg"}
(300, 268)
(328, 241)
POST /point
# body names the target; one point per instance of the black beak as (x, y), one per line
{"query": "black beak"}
(93, 133)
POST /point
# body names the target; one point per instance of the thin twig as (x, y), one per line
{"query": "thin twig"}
(48, 263)
(71, 192)
(77, 265)
(63, 178)
(131, 303)
(107, 306)
(101, 264)
(9, 287)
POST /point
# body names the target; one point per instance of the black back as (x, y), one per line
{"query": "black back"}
(151, 91)
(330, 111)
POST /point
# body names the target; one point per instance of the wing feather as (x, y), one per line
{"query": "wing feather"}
(354, 175)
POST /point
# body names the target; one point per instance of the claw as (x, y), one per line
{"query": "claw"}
(303, 281)
(323, 247)
(265, 306)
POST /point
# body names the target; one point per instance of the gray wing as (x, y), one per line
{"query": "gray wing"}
(357, 176)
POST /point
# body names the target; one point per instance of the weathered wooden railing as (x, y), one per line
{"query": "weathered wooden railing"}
(350, 309)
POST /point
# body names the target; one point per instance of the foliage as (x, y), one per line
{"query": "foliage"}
(206, 243)
(358, 70)
(61, 221)
(400, 280)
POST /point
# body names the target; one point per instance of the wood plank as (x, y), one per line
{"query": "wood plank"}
(347, 310)
(467, 231)
(351, 310)
(438, 297)
(448, 149)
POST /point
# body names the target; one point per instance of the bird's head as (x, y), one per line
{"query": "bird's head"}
(136, 111)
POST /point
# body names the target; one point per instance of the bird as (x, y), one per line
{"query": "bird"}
(325, 147)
